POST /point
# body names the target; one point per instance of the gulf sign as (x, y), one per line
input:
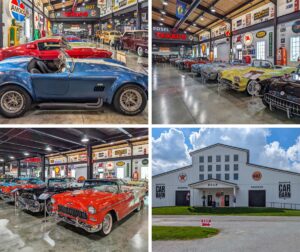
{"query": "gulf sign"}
(17, 10)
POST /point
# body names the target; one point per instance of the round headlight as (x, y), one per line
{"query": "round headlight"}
(91, 210)
(52, 200)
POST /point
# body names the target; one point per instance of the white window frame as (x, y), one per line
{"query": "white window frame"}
(261, 50)
(294, 48)
(215, 52)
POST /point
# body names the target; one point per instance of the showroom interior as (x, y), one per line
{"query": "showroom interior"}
(115, 31)
(213, 61)
(63, 162)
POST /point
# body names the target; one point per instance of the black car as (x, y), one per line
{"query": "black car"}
(283, 93)
(34, 200)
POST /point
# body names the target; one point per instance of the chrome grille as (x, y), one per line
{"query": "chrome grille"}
(283, 104)
(28, 196)
(73, 212)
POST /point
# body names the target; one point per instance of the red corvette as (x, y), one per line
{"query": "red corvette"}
(48, 49)
(188, 64)
(7, 193)
(98, 205)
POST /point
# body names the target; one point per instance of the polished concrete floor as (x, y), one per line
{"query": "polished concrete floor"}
(106, 115)
(26, 232)
(180, 98)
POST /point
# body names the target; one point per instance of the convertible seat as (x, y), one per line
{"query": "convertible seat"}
(35, 71)
(43, 67)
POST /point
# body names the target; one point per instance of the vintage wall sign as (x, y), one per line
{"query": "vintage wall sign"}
(248, 38)
(160, 191)
(261, 34)
(17, 10)
(120, 163)
(182, 177)
(271, 44)
(284, 189)
(261, 14)
(145, 161)
(296, 27)
(257, 175)
(171, 36)
(109, 165)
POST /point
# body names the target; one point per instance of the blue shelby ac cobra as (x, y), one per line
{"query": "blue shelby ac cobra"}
(70, 83)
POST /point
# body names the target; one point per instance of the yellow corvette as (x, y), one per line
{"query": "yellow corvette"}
(246, 79)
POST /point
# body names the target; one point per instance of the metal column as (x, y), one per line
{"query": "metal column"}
(1, 23)
(19, 168)
(3, 168)
(32, 18)
(43, 168)
(230, 41)
(89, 161)
(275, 32)
(138, 16)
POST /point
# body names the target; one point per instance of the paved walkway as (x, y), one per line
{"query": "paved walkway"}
(237, 234)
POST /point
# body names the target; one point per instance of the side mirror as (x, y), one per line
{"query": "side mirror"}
(31, 46)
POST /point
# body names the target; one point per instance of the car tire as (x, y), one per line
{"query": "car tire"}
(48, 207)
(140, 207)
(24, 101)
(137, 92)
(107, 225)
(253, 88)
(140, 51)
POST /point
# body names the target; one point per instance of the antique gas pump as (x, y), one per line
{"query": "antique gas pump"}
(14, 34)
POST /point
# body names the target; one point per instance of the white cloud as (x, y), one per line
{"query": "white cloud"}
(170, 150)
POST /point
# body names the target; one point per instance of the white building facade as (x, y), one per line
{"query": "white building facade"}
(222, 175)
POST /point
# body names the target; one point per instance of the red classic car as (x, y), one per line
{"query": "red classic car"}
(188, 64)
(98, 205)
(48, 49)
(135, 41)
(7, 193)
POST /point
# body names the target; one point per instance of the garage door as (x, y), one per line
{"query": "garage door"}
(182, 198)
(257, 198)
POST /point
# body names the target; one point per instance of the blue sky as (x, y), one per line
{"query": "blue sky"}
(274, 147)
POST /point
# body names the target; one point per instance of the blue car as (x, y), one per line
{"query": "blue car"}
(70, 83)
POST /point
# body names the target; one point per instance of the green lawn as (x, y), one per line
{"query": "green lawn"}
(181, 233)
(255, 211)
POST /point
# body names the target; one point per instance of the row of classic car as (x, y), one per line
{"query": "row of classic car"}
(50, 73)
(278, 86)
(93, 206)
(133, 40)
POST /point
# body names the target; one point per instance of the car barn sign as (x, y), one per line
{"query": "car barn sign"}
(160, 191)
(17, 10)
(284, 189)
(256, 175)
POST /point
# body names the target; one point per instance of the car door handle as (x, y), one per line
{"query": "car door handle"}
(99, 87)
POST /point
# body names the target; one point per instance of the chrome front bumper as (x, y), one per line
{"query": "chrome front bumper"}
(229, 84)
(7, 198)
(30, 205)
(291, 108)
(77, 223)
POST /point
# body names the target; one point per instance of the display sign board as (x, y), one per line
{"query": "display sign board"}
(164, 33)
(205, 222)
(287, 6)
(87, 11)
(180, 9)
(160, 191)
(17, 10)
(284, 189)
(182, 177)
(256, 175)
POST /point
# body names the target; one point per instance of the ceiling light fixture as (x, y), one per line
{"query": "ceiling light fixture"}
(194, 24)
(26, 154)
(85, 139)
(213, 9)
(165, 3)
(48, 148)
(163, 12)
(11, 157)
(201, 18)
(162, 19)
(161, 24)
(1, 160)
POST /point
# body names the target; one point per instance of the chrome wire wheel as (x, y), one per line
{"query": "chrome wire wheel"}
(12, 102)
(131, 100)
(49, 207)
(253, 88)
(107, 224)
(140, 51)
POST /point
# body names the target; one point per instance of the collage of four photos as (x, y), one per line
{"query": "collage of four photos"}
(150, 125)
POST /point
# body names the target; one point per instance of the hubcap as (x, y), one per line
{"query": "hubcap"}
(131, 100)
(140, 51)
(253, 88)
(49, 208)
(12, 102)
(107, 223)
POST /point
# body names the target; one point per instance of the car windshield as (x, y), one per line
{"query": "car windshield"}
(262, 64)
(34, 181)
(58, 182)
(102, 186)
(67, 61)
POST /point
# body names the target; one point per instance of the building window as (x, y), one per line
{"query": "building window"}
(201, 177)
(218, 167)
(227, 176)
(209, 168)
(227, 158)
(209, 159)
(201, 159)
(261, 50)
(295, 48)
(236, 167)
(215, 52)
(218, 176)
(209, 176)
(218, 158)
(236, 158)
(201, 168)
(227, 168)
(236, 176)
